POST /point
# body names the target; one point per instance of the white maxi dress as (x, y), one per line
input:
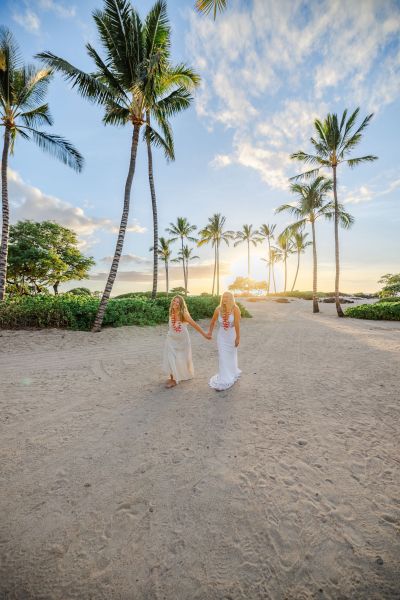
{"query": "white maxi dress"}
(178, 353)
(228, 372)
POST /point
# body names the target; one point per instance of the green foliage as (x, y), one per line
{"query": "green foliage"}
(246, 284)
(80, 291)
(390, 299)
(391, 285)
(44, 254)
(179, 290)
(78, 312)
(388, 311)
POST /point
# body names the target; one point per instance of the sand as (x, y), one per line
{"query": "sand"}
(284, 487)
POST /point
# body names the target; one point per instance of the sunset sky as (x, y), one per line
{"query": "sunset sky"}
(268, 69)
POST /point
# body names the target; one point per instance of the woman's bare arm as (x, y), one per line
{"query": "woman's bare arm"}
(213, 321)
(190, 321)
(236, 316)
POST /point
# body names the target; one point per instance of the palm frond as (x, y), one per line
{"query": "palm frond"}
(38, 116)
(207, 6)
(353, 162)
(58, 147)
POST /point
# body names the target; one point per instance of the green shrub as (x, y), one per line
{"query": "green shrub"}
(78, 312)
(390, 299)
(388, 311)
(80, 291)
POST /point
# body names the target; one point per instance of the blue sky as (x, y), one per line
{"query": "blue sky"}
(268, 69)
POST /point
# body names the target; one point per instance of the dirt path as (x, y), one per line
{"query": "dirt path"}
(284, 487)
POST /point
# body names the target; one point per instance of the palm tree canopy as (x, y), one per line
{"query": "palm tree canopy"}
(300, 242)
(247, 234)
(23, 90)
(181, 229)
(334, 140)
(207, 6)
(134, 79)
(164, 249)
(266, 231)
(214, 232)
(187, 254)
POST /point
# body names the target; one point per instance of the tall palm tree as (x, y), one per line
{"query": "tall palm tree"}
(300, 244)
(214, 233)
(286, 247)
(168, 95)
(133, 57)
(164, 254)
(333, 143)
(23, 89)
(312, 205)
(185, 255)
(207, 6)
(267, 232)
(250, 236)
(182, 230)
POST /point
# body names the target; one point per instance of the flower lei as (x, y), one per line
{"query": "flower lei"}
(176, 324)
(225, 321)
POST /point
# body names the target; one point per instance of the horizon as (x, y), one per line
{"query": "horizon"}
(260, 92)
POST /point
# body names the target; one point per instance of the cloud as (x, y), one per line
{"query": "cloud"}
(28, 20)
(127, 259)
(29, 202)
(199, 271)
(269, 69)
(59, 9)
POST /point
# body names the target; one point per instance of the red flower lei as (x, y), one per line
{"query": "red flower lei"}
(225, 321)
(176, 324)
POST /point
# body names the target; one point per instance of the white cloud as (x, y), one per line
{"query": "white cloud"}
(28, 20)
(127, 259)
(29, 202)
(59, 9)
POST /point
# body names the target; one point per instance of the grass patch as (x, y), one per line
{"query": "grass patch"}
(382, 311)
(78, 312)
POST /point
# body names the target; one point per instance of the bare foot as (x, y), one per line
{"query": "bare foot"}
(170, 383)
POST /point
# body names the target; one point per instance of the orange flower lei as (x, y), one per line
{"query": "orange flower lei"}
(176, 324)
(225, 321)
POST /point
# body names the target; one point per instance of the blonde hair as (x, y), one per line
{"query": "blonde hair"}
(227, 307)
(183, 309)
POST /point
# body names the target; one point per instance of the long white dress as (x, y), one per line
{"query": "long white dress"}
(178, 353)
(228, 371)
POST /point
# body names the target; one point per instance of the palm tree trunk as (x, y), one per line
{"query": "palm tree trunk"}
(121, 234)
(5, 215)
(167, 276)
(215, 269)
(248, 261)
(155, 216)
(184, 268)
(315, 299)
(269, 266)
(273, 278)
(337, 274)
(187, 277)
(285, 272)
(297, 270)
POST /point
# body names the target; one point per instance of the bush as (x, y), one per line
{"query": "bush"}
(79, 291)
(390, 299)
(388, 311)
(78, 312)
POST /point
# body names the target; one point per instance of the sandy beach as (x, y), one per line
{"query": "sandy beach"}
(287, 486)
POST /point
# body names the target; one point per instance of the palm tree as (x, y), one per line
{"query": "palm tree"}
(334, 142)
(206, 6)
(267, 232)
(311, 205)
(182, 230)
(133, 57)
(250, 236)
(286, 247)
(300, 244)
(23, 90)
(185, 255)
(164, 253)
(214, 233)
(168, 95)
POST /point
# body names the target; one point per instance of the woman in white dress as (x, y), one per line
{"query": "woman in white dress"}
(228, 316)
(178, 350)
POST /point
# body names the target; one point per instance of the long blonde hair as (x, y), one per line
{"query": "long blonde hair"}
(183, 309)
(227, 307)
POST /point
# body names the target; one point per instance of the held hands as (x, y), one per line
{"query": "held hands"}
(208, 336)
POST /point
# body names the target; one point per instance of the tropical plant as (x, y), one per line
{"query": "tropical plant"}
(274, 256)
(207, 6)
(182, 230)
(245, 284)
(310, 206)
(391, 285)
(285, 247)
(23, 90)
(164, 253)
(44, 254)
(214, 234)
(267, 232)
(248, 235)
(123, 83)
(300, 244)
(333, 143)
(185, 255)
